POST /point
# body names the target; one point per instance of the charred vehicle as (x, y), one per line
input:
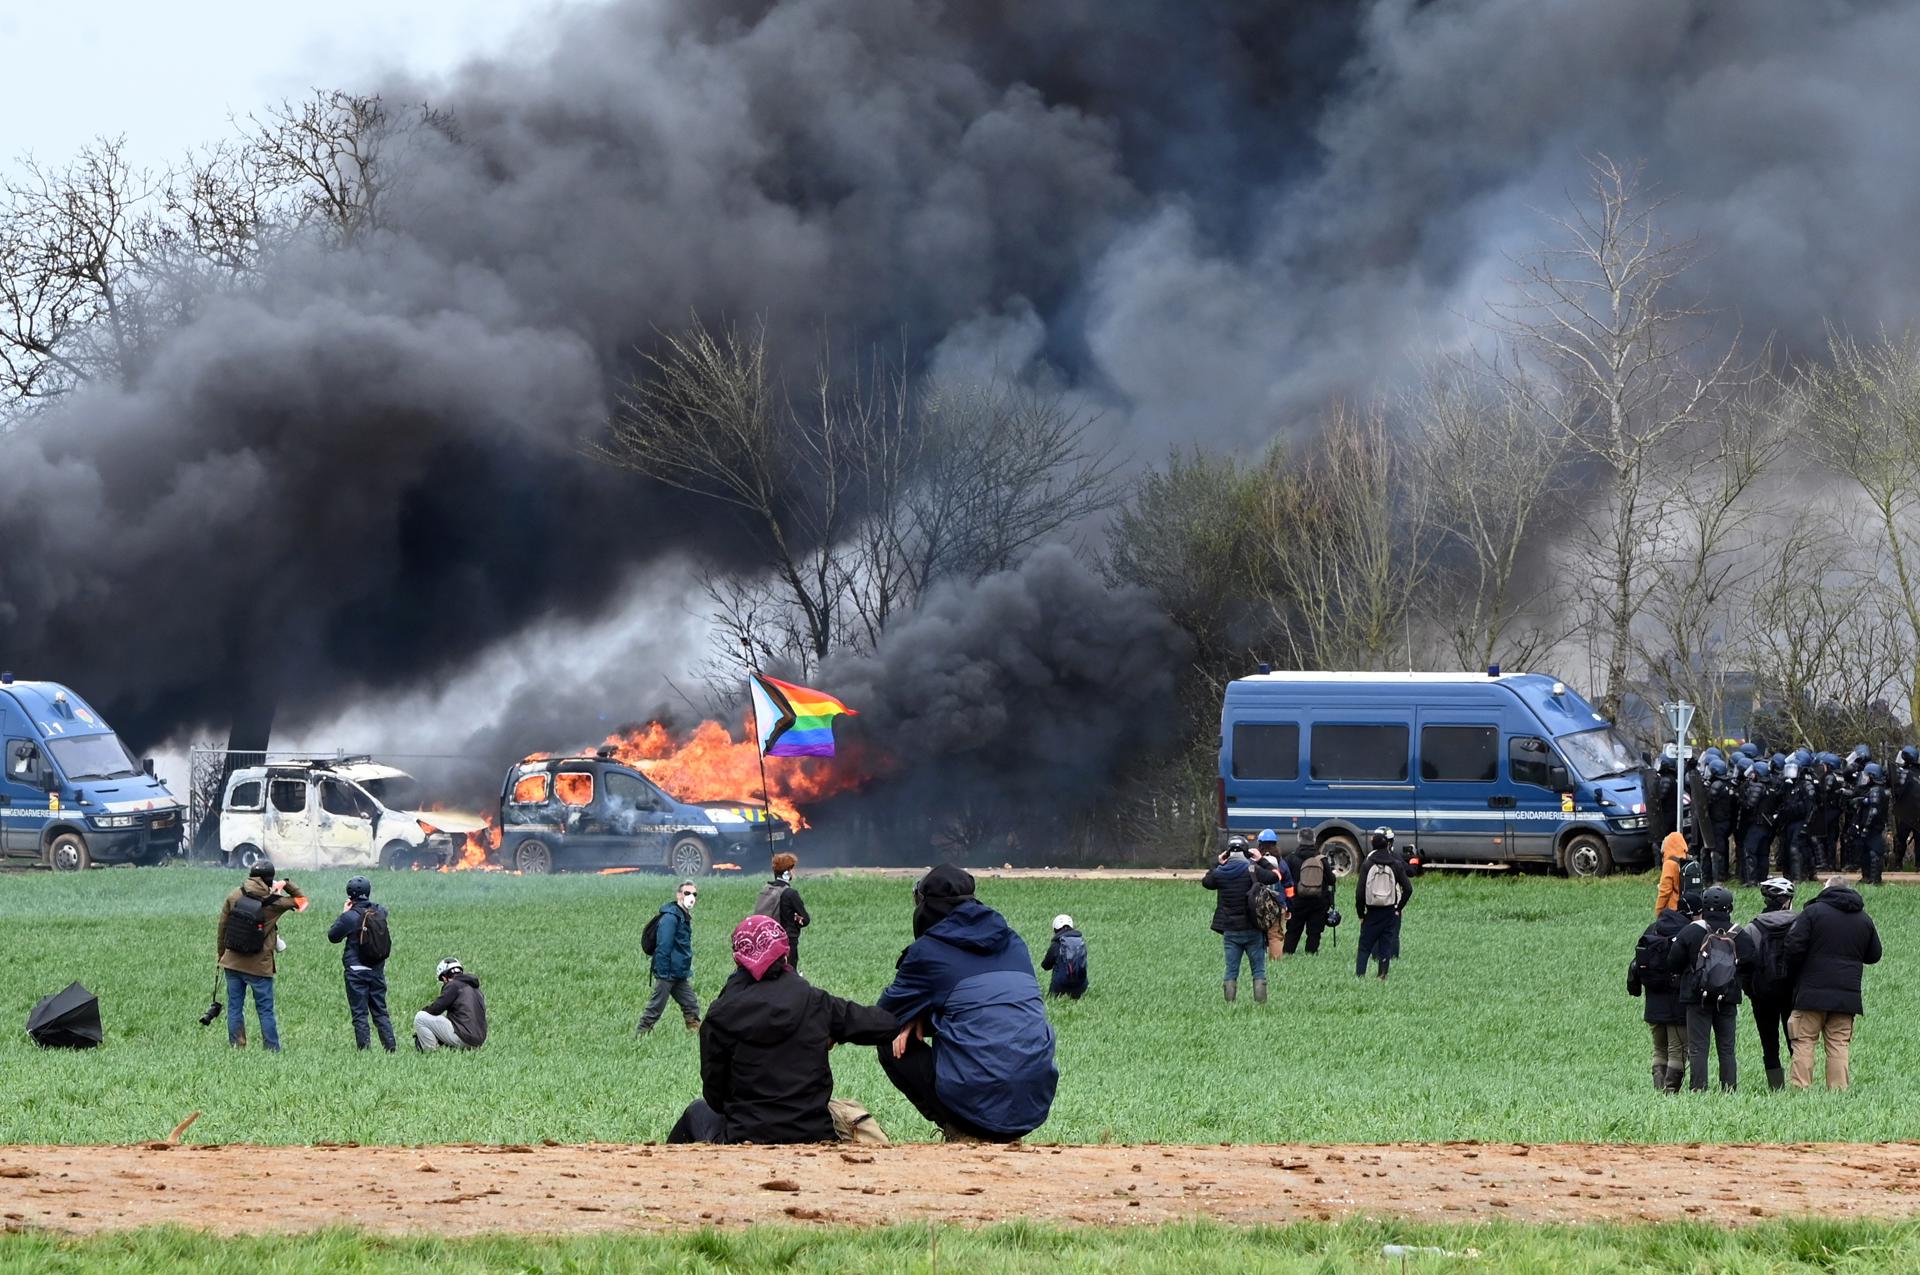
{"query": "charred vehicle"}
(561, 813)
(348, 812)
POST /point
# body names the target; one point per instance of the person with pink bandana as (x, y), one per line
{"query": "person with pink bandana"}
(764, 1075)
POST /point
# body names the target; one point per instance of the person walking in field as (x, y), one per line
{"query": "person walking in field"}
(248, 937)
(1313, 880)
(457, 1018)
(1234, 879)
(1769, 984)
(1273, 904)
(1379, 898)
(779, 900)
(1680, 875)
(764, 1071)
(362, 927)
(1067, 958)
(1711, 958)
(668, 941)
(1650, 974)
(1828, 948)
(967, 982)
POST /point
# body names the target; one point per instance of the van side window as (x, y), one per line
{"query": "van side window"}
(289, 796)
(337, 798)
(1460, 754)
(574, 787)
(246, 796)
(1371, 753)
(530, 790)
(1266, 750)
(1530, 761)
(629, 790)
(25, 770)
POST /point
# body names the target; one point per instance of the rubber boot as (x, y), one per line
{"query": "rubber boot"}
(693, 1024)
(1383, 969)
(1659, 1077)
(1675, 1077)
(1259, 991)
(1232, 987)
(1776, 1077)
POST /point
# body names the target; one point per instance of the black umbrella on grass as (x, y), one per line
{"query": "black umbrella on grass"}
(66, 1020)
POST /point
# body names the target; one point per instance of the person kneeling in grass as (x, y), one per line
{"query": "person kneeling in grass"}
(988, 1073)
(458, 1018)
(764, 1074)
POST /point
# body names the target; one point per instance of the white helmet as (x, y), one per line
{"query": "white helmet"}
(1063, 922)
(448, 966)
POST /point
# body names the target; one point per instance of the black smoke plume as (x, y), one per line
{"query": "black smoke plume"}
(1204, 217)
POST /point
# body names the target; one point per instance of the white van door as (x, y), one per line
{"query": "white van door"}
(343, 826)
(289, 823)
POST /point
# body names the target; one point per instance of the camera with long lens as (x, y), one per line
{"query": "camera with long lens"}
(213, 1012)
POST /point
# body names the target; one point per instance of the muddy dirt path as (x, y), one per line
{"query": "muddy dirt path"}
(465, 1190)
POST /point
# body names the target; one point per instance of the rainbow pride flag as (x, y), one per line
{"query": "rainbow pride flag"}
(792, 720)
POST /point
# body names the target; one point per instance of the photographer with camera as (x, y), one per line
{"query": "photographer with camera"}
(362, 926)
(248, 938)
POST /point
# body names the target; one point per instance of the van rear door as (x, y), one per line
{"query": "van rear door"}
(1461, 803)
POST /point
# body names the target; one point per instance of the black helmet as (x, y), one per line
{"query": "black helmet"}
(1236, 845)
(1381, 838)
(1717, 899)
(263, 869)
(359, 888)
(1333, 918)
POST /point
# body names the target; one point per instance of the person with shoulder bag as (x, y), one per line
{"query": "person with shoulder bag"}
(249, 936)
(1313, 879)
(362, 927)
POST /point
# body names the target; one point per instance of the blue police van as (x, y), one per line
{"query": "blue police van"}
(71, 795)
(1469, 767)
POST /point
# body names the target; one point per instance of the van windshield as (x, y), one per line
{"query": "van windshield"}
(397, 792)
(1598, 754)
(93, 757)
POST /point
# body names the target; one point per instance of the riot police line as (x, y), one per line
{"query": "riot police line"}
(1750, 814)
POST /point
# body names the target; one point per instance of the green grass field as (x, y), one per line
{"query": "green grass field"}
(1322, 1248)
(1507, 1019)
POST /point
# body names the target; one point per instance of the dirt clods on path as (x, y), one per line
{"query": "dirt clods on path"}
(543, 1189)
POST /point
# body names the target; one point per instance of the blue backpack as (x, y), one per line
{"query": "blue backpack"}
(1073, 956)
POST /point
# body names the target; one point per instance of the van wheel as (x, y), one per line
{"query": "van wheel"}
(398, 856)
(1344, 851)
(68, 853)
(1586, 856)
(245, 857)
(688, 858)
(532, 858)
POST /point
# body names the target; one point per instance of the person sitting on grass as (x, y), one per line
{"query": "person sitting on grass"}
(764, 1074)
(1067, 958)
(457, 1019)
(988, 1073)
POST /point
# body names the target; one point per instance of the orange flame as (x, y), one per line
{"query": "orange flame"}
(710, 765)
(479, 845)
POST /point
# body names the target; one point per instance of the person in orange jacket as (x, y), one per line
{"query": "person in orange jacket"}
(1680, 873)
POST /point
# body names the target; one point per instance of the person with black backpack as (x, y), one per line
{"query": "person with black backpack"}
(1711, 957)
(779, 900)
(1067, 958)
(1650, 974)
(668, 941)
(1234, 878)
(362, 926)
(1312, 894)
(1769, 981)
(249, 934)
(1382, 893)
(1681, 876)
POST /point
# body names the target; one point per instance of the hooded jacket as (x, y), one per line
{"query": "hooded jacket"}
(1661, 989)
(1673, 852)
(1234, 880)
(258, 963)
(460, 1000)
(673, 942)
(1769, 931)
(993, 1052)
(346, 929)
(763, 1054)
(1827, 949)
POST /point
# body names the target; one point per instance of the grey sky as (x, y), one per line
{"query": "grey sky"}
(105, 67)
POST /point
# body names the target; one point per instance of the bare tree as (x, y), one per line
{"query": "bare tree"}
(1862, 421)
(1633, 382)
(1493, 467)
(73, 299)
(329, 155)
(1342, 546)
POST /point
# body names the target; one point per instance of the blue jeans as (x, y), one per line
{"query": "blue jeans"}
(1254, 944)
(367, 991)
(237, 985)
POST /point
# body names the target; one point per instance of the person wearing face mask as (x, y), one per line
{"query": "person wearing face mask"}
(673, 960)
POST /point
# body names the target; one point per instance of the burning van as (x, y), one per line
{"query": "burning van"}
(343, 813)
(560, 813)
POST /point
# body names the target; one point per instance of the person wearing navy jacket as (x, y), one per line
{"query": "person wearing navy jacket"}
(967, 979)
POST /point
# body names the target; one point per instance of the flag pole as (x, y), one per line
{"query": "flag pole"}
(766, 793)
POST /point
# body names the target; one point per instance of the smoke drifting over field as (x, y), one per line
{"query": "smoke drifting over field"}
(1204, 217)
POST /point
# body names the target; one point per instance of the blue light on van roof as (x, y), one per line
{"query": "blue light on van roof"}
(6, 679)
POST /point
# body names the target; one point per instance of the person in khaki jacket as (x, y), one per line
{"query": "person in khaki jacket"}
(247, 939)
